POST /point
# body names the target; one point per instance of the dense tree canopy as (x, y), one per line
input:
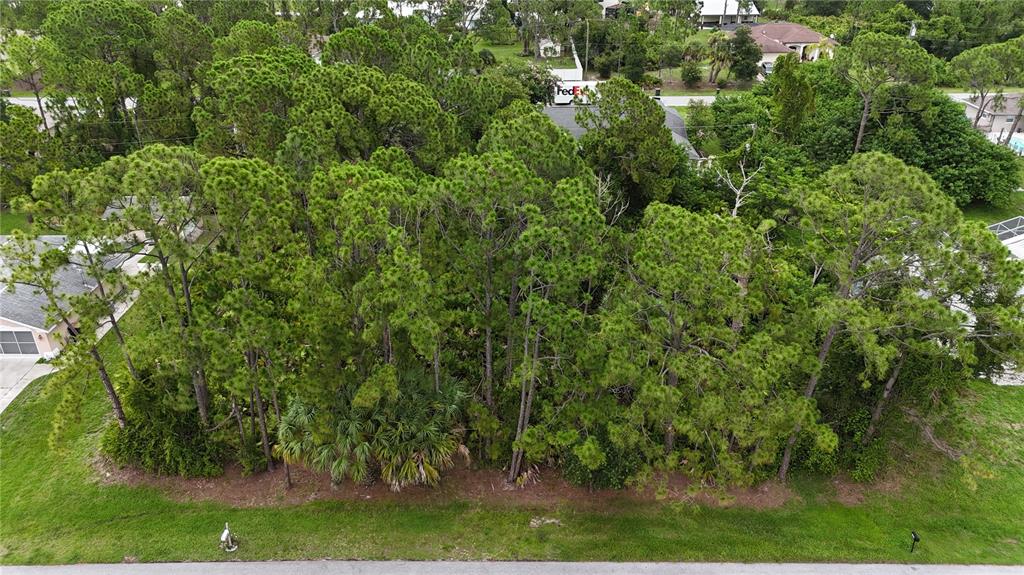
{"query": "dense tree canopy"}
(388, 260)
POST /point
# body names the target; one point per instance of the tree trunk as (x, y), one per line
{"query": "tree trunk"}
(101, 366)
(264, 437)
(202, 394)
(488, 337)
(743, 281)
(113, 320)
(863, 123)
(184, 322)
(124, 349)
(513, 298)
(889, 384)
(241, 427)
(198, 372)
(826, 345)
(488, 367)
(672, 380)
(525, 398)
(42, 112)
(115, 401)
(277, 412)
(981, 110)
(1013, 127)
(386, 342)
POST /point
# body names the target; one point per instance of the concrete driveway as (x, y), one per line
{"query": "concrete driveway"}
(17, 371)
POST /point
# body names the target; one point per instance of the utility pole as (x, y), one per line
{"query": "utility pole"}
(586, 49)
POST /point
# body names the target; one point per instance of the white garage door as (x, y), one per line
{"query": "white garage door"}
(17, 342)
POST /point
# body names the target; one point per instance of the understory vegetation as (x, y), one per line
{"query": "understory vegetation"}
(966, 511)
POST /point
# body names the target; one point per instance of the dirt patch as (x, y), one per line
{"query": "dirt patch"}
(847, 492)
(851, 493)
(769, 495)
(460, 484)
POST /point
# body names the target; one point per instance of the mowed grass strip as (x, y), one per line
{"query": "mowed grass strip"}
(54, 509)
(10, 221)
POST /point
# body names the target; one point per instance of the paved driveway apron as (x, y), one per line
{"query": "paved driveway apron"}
(17, 371)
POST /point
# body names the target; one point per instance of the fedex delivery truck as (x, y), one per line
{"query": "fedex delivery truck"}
(566, 92)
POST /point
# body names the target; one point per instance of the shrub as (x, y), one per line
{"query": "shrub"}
(649, 81)
(597, 463)
(604, 65)
(487, 57)
(689, 73)
(868, 461)
(160, 439)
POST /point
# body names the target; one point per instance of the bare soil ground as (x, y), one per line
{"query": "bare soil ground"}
(850, 493)
(459, 484)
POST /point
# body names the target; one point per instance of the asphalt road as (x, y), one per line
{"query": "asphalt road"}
(507, 568)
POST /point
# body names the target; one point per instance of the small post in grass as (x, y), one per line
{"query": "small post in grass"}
(914, 538)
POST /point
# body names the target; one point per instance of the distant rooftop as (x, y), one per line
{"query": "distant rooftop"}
(1011, 233)
(726, 8)
(780, 37)
(565, 118)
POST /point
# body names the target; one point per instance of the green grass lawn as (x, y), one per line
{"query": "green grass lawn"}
(54, 509)
(504, 52)
(10, 221)
(961, 89)
(671, 91)
(989, 214)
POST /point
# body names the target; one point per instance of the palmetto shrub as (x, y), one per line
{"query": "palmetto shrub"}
(410, 440)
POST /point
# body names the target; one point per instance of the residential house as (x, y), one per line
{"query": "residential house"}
(611, 8)
(778, 38)
(997, 116)
(565, 118)
(718, 13)
(25, 324)
(25, 328)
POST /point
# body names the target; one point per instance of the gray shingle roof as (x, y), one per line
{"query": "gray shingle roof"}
(565, 118)
(25, 305)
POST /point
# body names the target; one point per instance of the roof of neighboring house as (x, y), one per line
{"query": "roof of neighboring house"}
(1009, 106)
(776, 37)
(25, 306)
(727, 8)
(1011, 233)
(565, 118)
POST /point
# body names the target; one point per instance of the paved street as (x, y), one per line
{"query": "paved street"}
(30, 102)
(509, 568)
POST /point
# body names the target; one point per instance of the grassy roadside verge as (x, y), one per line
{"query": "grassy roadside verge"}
(10, 221)
(54, 509)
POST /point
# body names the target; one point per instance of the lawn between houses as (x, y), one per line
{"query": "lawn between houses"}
(55, 508)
